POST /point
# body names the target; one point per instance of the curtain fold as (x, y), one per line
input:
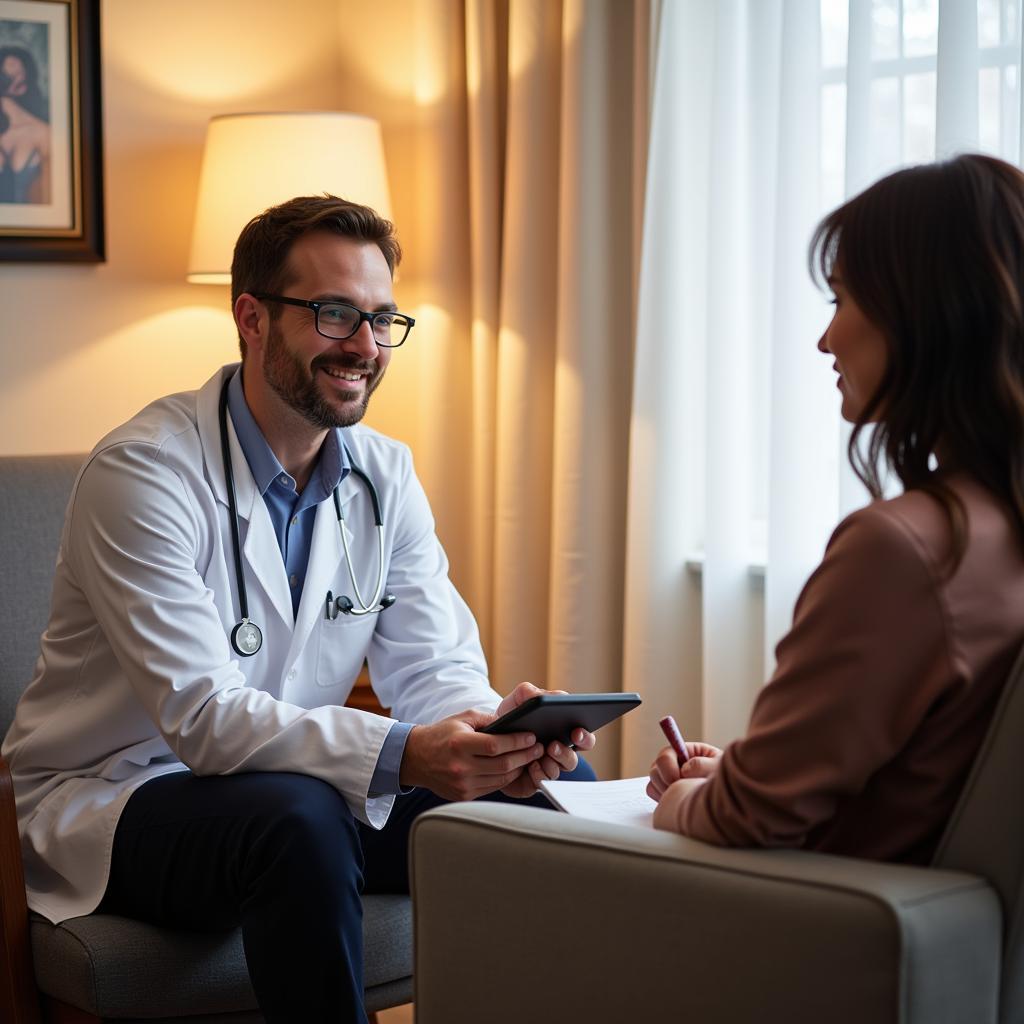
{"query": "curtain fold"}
(663, 640)
(956, 104)
(803, 455)
(729, 616)
(594, 352)
(486, 49)
(437, 272)
(525, 414)
(536, 111)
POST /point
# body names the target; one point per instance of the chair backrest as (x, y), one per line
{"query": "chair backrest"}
(985, 836)
(34, 494)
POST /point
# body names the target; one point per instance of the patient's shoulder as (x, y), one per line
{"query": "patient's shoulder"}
(917, 523)
(913, 518)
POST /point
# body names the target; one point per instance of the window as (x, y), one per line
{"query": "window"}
(901, 102)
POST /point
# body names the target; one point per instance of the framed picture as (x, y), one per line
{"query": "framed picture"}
(51, 147)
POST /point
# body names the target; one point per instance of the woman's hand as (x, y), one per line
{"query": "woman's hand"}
(666, 768)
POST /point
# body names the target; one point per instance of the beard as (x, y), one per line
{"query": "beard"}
(297, 386)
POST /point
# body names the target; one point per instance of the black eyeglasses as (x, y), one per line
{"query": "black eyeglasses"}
(339, 320)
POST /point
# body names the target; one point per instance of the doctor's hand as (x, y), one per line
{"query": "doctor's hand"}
(557, 757)
(453, 760)
(666, 768)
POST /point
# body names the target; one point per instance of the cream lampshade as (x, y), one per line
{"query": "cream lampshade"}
(252, 161)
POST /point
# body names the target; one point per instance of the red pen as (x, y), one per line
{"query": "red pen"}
(675, 737)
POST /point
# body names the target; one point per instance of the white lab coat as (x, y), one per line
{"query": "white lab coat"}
(137, 677)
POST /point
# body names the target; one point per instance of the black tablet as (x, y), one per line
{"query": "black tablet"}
(553, 716)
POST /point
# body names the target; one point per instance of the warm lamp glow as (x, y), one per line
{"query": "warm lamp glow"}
(252, 161)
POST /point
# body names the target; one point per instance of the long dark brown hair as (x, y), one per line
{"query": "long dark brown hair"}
(934, 256)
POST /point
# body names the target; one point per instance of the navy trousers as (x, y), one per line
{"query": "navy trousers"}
(280, 855)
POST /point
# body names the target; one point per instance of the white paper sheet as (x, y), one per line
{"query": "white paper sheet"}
(621, 801)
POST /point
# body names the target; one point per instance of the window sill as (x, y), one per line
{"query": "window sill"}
(755, 569)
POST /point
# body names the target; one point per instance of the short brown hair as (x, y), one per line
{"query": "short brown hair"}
(260, 262)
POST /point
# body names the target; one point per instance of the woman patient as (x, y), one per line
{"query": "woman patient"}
(904, 635)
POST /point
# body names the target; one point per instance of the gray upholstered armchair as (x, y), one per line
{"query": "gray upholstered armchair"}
(656, 927)
(102, 967)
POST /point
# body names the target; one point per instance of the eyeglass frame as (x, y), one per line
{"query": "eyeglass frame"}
(369, 318)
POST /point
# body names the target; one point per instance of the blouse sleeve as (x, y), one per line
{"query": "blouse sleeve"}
(850, 687)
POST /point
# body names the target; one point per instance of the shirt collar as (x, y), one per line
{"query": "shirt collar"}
(332, 465)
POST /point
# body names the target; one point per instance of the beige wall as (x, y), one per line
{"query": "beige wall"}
(83, 347)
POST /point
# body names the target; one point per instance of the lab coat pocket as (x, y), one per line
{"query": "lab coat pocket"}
(343, 642)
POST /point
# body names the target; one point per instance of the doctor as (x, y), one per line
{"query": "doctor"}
(183, 755)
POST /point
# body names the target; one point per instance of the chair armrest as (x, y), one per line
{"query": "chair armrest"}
(19, 1001)
(526, 914)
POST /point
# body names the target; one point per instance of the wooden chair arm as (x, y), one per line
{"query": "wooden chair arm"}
(19, 999)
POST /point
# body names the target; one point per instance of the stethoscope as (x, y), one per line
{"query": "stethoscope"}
(247, 637)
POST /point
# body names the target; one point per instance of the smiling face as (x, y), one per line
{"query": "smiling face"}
(860, 351)
(328, 382)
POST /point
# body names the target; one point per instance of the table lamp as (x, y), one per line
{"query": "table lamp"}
(252, 161)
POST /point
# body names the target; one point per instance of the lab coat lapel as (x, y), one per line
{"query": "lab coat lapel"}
(260, 549)
(261, 554)
(326, 559)
(207, 405)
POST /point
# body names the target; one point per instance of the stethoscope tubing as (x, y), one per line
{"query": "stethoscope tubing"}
(364, 607)
(229, 476)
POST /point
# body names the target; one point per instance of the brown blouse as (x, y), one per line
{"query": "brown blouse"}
(883, 690)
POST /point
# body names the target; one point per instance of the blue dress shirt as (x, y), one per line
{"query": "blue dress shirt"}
(292, 514)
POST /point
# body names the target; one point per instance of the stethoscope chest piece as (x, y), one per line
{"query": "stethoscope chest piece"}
(246, 638)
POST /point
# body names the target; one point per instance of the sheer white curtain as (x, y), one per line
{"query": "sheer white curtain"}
(765, 114)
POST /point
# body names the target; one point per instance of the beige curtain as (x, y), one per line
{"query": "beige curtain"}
(528, 144)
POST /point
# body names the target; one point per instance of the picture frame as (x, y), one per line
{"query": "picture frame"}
(51, 141)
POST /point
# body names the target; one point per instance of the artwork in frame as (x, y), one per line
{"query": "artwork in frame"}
(51, 147)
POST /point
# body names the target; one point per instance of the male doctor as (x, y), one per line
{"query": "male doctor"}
(183, 755)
